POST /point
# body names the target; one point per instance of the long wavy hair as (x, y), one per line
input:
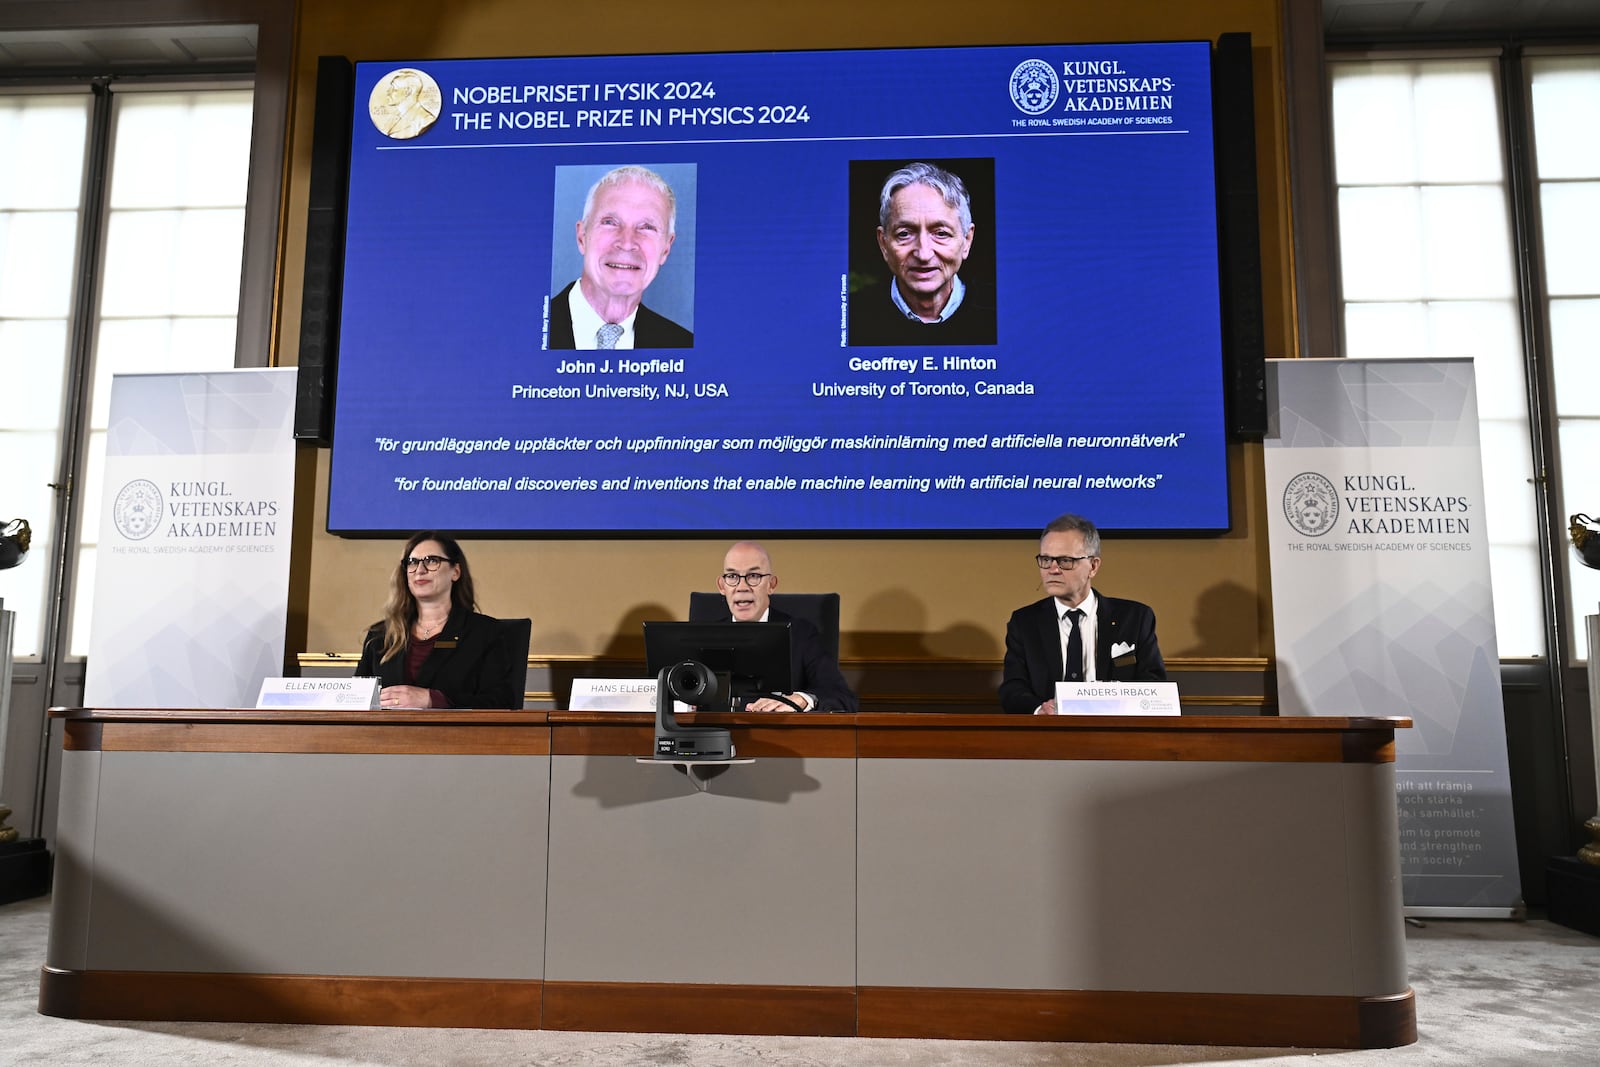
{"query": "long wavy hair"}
(401, 611)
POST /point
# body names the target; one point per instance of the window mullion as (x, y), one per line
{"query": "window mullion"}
(75, 417)
(1516, 120)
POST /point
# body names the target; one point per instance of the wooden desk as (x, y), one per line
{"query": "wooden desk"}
(1207, 880)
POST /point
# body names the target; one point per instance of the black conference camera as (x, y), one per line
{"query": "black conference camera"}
(693, 683)
(14, 538)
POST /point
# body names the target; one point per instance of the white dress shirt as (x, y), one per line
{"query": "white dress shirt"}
(586, 322)
(1088, 629)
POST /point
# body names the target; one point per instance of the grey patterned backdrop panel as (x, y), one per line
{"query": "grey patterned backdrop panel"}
(1386, 403)
(1382, 602)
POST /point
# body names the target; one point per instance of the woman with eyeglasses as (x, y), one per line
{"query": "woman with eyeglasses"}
(433, 649)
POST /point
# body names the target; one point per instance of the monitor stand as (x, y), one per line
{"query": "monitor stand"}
(698, 771)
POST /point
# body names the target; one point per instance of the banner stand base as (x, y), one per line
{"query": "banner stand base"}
(24, 869)
(1422, 911)
(1573, 891)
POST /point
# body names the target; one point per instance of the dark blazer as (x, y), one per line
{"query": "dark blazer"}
(874, 320)
(1033, 650)
(471, 664)
(814, 671)
(650, 330)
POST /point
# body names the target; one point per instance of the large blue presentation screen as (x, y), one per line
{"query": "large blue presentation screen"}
(955, 290)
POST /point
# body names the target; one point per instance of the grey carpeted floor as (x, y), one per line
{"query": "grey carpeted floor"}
(1488, 993)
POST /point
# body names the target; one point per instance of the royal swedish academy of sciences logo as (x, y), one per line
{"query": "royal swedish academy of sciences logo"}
(1034, 87)
(137, 510)
(1311, 504)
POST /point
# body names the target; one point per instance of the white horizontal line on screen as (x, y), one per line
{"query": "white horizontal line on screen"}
(779, 140)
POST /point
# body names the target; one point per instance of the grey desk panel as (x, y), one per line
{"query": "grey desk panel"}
(750, 883)
(398, 865)
(1372, 850)
(1179, 877)
(74, 874)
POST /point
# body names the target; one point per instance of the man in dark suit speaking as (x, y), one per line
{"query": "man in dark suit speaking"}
(1074, 634)
(630, 219)
(746, 583)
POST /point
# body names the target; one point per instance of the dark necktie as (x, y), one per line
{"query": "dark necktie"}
(1074, 665)
(607, 335)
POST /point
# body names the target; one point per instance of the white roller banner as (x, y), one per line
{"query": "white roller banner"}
(192, 569)
(1382, 603)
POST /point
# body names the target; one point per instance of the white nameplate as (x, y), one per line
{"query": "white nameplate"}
(613, 694)
(319, 694)
(1117, 698)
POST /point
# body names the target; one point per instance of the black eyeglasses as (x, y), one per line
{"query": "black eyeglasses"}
(752, 580)
(425, 564)
(1066, 563)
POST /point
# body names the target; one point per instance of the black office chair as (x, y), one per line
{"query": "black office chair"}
(515, 635)
(819, 609)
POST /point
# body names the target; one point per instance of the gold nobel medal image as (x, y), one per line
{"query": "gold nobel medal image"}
(404, 103)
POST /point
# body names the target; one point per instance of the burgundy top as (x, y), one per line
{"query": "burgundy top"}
(417, 653)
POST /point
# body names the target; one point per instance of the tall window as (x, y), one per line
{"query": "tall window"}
(167, 243)
(169, 291)
(1565, 96)
(1427, 269)
(42, 138)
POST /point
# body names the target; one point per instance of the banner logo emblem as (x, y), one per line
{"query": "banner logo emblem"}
(1311, 504)
(1034, 87)
(137, 509)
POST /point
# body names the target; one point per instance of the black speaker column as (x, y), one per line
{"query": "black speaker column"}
(1239, 237)
(319, 295)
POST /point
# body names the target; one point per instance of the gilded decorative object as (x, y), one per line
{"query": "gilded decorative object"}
(15, 535)
(1590, 853)
(9, 833)
(1585, 534)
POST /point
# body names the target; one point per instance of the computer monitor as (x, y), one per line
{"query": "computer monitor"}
(750, 659)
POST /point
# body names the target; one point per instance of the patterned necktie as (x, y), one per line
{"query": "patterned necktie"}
(1074, 665)
(606, 336)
